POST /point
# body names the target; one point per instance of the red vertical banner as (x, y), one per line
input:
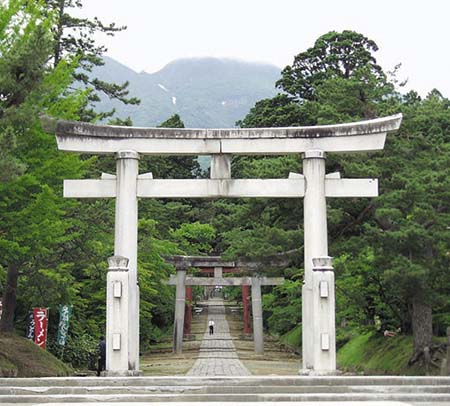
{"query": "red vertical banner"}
(40, 326)
(246, 308)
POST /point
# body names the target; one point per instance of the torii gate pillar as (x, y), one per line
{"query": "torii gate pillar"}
(180, 299)
(258, 333)
(125, 241)
(316, 243)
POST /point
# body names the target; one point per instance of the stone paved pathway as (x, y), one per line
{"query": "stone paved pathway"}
(218, 355)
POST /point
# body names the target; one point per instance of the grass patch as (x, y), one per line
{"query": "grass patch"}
(167, 364)
(371, 353)
(293, 339)
(22, 358)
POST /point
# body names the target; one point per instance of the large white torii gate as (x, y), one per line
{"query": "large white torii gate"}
(128, 143)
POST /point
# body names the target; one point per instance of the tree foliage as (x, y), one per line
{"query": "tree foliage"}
(24, 47)
(75, 37)
(334, 55)
(392, 251)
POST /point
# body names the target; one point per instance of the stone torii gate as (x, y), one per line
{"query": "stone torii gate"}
(183, 282)
(127, 185)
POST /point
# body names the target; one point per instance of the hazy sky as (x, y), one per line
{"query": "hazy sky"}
(412, 32)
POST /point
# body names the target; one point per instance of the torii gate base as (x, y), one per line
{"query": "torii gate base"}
(323, 325)
(117, 308)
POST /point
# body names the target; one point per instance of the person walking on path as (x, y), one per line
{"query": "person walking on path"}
(211, 327)
(101, 356)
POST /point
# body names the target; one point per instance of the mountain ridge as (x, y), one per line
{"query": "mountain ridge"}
(205, 91)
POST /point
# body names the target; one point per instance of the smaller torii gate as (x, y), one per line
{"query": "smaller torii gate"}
(184, 283)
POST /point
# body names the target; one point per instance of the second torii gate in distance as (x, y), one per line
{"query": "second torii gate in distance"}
(184, 283)
(127, 185)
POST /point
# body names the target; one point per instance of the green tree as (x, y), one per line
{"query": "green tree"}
(392, 261)
(413, 213)
(156, 297)
(173, 122)
(334, 55)
(23, 57)
(195, 238)
(279, 111)
(391, 255)
(75, 36)
(31, 225)
(177, 167)
(337, 80)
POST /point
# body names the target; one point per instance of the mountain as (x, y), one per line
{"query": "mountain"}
(205, 92)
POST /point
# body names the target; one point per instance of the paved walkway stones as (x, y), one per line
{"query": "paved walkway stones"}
(218, 355)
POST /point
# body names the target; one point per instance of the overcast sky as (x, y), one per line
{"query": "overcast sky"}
(411, 32)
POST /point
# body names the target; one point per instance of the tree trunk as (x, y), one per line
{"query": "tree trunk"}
(59, 33)
(9, 299)
(422, 326)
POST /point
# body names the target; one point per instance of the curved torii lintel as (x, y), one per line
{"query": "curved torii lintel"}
(89, 138)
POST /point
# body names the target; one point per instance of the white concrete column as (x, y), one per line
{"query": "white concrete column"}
(324, 328)
(315, 243)
(220, 166)
(218, 272)
(258, 334)
(180, 302)
(117, 317)
(125, 241)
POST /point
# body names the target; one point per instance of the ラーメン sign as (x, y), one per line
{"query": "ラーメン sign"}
(40, 326)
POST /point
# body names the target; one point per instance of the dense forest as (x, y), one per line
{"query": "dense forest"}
(391, 253)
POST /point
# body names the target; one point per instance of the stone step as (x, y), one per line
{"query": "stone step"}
(149, 390)
(227, 381)
(336, 397)
(225, 389)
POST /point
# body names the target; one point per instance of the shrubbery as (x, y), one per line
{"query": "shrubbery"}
(80, 351)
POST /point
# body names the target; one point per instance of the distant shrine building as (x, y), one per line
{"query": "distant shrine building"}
(314, 186)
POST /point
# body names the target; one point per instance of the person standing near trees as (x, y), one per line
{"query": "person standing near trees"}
(101, 356)
(211, 327)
